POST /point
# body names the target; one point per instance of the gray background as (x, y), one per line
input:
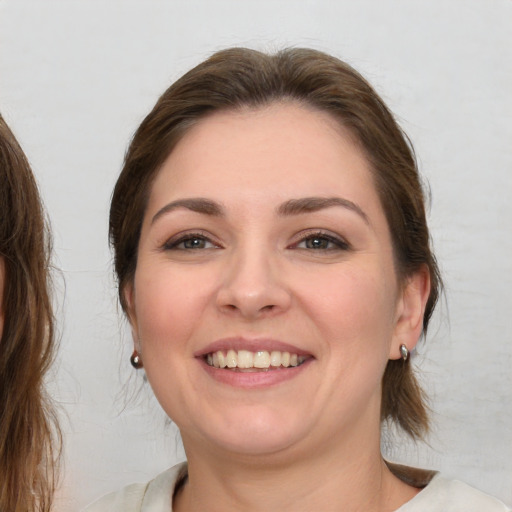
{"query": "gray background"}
(76, 78)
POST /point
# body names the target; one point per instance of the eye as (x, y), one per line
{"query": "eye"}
(189, 242)
(320, 241)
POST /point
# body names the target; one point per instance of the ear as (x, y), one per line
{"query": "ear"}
(129, 297)
(410, 310)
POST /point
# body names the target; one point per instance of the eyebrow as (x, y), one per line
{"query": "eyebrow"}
(291, 207)
(314, 204)
(196, 204)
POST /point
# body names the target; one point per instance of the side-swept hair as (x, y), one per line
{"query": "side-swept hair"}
(240, 78)
(29, 433)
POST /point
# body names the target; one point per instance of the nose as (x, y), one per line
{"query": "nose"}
(253, 286)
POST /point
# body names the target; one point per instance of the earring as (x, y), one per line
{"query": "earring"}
(136, 360)
(404, 351)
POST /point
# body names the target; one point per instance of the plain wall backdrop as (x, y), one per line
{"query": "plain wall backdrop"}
(76, 79)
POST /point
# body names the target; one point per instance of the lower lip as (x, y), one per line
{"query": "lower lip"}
(251, 380)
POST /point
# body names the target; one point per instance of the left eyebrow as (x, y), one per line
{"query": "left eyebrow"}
(314, 204)
(194, 204)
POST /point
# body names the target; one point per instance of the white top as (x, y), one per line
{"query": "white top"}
(440, 495)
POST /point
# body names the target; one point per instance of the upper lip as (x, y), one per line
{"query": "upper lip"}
(250, 344)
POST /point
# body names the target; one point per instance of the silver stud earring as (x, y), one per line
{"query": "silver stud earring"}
(404, 351)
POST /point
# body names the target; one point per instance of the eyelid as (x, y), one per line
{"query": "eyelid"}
(172, 242)
(338, 240)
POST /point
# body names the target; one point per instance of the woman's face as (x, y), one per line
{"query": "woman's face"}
(265, 302)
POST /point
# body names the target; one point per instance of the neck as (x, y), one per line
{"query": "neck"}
(353, 477)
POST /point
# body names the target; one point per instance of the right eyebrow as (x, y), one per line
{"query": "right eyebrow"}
(314, 204)
(195, 204)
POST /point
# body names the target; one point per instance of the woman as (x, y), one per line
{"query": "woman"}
(274, 263)
(29, 436)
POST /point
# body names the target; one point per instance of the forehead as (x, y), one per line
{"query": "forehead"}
(281, 151)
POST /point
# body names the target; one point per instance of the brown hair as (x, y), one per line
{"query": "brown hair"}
(29, 435)
(237, 78)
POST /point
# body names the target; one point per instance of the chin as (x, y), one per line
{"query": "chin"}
(251, 444)
(261, 434)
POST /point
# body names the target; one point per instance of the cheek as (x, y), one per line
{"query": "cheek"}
(168, 306)
(355, 306)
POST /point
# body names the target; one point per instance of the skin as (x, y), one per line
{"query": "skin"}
(311, 441)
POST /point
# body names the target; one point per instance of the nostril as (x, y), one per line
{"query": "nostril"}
(249, 311)
(253, 297)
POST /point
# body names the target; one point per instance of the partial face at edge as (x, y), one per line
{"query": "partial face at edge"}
(264, 230)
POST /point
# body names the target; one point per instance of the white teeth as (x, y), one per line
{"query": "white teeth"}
(261, 359)
(275, 358)
(218, 360)
(221, 359)
(245, 359)
(231, 359)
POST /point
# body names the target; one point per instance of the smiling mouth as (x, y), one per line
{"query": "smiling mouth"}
(247, 361)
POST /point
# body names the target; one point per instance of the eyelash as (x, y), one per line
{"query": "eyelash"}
(174, 243)
(339, 244)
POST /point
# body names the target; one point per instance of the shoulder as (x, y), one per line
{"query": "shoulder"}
(153, 496)
(128, 499)
(445, 495)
